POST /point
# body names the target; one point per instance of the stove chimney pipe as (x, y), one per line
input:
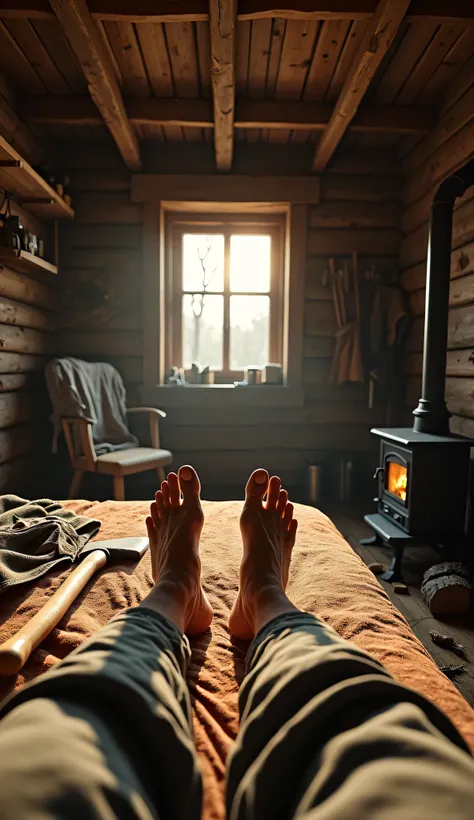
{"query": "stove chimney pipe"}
(432, 415)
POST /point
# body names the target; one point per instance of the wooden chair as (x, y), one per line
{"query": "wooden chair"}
(118, 463)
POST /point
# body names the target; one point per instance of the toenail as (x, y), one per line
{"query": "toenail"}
(186, 474)
(260, 478)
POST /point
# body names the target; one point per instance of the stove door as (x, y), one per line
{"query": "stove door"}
(396, 477)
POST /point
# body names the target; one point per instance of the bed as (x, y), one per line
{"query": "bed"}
(327, 578)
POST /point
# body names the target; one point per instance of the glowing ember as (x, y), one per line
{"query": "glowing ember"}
(397, 480)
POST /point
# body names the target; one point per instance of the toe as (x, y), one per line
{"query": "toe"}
(165, 494)
(151, 531)
(288, 515)
(173, 489)
(189, 483)
(257, 486)
(282, 501)
(150, 527)
(160, 504)
(154, 513)
(273, 492)
(292, 532)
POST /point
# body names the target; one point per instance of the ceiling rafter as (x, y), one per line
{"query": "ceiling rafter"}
(222, 22)
(378, 38)
(86, 44)
(272, 114)
(168, 11)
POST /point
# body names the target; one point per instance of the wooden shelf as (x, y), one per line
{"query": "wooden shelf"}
(25, 262)
(28, 188)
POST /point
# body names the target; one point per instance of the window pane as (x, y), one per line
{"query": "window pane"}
(249, 331)
(203, 262)
(250, 262)
(203, 323)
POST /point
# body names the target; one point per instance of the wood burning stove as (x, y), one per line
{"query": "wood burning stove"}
(422, 482)
(423, 473)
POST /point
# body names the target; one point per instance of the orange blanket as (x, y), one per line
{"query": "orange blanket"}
(327, 578)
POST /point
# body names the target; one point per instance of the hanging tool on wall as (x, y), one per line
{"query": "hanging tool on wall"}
(356, 373)
(341, 359)
(347, 362)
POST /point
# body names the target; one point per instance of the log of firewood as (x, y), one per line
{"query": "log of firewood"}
(448, 594)
(446, 568)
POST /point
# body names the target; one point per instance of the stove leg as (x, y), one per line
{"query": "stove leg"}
(394, 572)
(372, 541)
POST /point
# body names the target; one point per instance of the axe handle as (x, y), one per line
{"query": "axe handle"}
(16, 650)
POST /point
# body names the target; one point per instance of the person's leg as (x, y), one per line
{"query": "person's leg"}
(107, 733)
(325, 731)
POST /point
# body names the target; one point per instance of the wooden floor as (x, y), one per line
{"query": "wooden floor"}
(349, 519)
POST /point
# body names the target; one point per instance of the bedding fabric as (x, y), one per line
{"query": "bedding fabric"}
(327, 578)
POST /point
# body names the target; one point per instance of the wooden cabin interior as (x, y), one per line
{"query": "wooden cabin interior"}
(337, 124)
(326, 126)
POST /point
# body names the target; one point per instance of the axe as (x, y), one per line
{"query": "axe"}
(16, 650)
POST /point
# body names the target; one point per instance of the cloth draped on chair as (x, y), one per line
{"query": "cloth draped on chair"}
(92, 390)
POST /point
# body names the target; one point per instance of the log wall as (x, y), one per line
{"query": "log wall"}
(359, 210)
(447, 148)
(27, 340)
(100, 316)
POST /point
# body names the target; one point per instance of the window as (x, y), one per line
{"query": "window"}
(226, 285)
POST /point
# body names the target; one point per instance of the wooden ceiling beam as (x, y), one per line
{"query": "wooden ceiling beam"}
(305, 116)
(222, 23)
(85, 42)
(169, 11)
(153, 111)
(440, 10)
(272, 114)
(378, 38)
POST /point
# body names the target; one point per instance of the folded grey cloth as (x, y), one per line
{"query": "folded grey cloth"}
(38, 535)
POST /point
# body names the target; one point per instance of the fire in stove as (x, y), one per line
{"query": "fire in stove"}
(397, 480)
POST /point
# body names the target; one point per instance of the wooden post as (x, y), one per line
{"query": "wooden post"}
(222, 21)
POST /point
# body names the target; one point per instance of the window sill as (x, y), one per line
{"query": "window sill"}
(222, 395)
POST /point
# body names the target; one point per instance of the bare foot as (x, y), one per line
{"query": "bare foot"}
(268, 533)
(174, 528)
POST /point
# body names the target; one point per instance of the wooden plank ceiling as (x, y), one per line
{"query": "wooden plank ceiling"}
(368, 72)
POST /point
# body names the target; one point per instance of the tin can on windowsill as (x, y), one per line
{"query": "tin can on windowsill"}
(253, 375)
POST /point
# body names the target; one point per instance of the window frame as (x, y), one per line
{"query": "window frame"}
(228, 225)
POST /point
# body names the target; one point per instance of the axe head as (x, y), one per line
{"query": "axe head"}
(118, 549)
